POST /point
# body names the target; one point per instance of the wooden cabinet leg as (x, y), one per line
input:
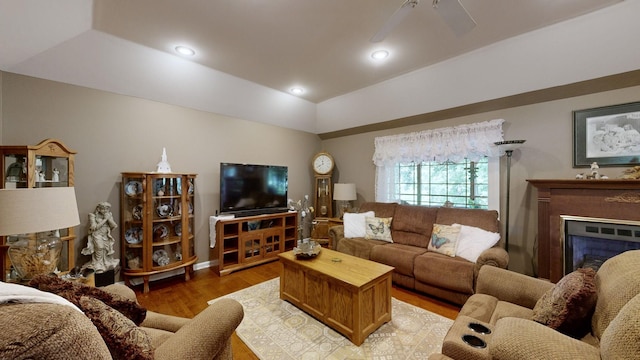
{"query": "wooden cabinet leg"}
(146, 284)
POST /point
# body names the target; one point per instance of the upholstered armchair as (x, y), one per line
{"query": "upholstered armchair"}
(506, 303)
(58, 331)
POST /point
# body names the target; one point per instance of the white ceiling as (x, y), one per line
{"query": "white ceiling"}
(257, 48)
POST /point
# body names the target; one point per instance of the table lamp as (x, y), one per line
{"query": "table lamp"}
(343, 193)
(33, 217)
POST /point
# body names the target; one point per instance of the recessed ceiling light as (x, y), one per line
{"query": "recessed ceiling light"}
(297, 90)
(183, 50)
(380, 54)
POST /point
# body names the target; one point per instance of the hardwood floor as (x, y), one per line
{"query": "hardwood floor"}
(176, 297)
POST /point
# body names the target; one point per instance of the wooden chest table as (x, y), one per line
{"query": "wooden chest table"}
(349, 294)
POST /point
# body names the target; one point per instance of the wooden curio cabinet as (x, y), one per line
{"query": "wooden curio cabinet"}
(45, 165)
(157, 225)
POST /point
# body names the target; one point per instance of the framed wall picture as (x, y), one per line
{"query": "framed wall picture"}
(608, 135)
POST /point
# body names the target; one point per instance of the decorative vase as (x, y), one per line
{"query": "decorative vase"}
(32, 257)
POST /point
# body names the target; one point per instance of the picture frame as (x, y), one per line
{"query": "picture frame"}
(608, 135)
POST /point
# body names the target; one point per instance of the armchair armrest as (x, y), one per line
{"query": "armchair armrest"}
(495, 256)
(336, 233)
(521, 339)
(511, 286)
(206, 335)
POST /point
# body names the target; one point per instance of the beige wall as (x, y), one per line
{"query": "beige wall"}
(547, 128)
(114, 133)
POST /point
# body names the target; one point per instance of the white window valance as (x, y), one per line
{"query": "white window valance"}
(470, 141)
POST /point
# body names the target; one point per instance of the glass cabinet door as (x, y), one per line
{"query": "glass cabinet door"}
(133, 211)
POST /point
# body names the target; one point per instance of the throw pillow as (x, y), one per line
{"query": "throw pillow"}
(378, 228)
(354, 224)
(72, 291)
(123, 338)
(568, 305)
(472, 241)
(444, 239)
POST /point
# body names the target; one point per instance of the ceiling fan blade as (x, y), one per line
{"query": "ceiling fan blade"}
(395, 20)
(455, 15)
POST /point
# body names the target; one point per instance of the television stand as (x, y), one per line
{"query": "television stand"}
(254, 240)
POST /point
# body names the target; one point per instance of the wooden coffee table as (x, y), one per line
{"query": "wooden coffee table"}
(349, 294)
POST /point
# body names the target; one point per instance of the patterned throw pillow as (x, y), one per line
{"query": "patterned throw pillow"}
(378, 228)
(568, 305)
(444, 239)
(123, 338)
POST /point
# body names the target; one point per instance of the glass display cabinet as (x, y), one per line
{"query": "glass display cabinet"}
(157, 227)
(47, 164)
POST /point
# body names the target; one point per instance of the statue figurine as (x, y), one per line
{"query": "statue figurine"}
(56, 175)
(100, 243)
(163, 165)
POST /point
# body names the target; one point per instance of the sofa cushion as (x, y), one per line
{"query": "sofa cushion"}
(568, 305)
(380, 209)
(355, 225)
(412, 225)
(359, 247)
(444, 239)
(444, 271)
(123, 338)
(378, 228)
(617, 282)
(620, 339)
(472, 241)
(484, 219)
(401, 257)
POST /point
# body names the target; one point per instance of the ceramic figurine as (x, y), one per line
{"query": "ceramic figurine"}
(163, 165)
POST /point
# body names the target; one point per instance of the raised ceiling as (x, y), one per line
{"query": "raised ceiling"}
(251, 52)
(324, 45)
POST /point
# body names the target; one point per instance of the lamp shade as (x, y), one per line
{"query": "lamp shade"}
(37, 210)
(346, 192)
(509, 145)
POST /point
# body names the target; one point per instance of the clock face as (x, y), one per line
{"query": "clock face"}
(323, 164)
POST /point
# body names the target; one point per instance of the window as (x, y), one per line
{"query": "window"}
(461, 184)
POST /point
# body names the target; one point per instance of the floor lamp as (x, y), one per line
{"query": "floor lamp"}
(508, 146)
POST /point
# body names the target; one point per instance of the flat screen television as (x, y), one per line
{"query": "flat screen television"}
(249, 189)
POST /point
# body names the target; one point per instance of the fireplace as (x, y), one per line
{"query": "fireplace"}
(588, 242)
(616, 200)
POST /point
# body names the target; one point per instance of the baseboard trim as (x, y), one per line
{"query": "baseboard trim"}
(198, 266)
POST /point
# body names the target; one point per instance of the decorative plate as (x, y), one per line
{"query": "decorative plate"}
(179, 187)
(160, 232)
(164, 210)
(180, 208)
(133, 235)
(161, 257)
(178, 229)
(133, 188)
(137, 212)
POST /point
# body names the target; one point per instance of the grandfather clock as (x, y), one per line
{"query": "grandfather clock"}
(323, 167)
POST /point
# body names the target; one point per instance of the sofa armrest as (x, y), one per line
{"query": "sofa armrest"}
(510, 286)
(206, 335)
(121, 290)
(494, 256)
(518, 339)
(336, 233)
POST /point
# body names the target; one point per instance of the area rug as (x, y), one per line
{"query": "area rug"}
(275, 329)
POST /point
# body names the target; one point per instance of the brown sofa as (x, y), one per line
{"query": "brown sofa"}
(54, 331)
(449, 278)
(504, 303)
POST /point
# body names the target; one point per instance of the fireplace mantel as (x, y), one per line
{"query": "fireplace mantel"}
(608, 199)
